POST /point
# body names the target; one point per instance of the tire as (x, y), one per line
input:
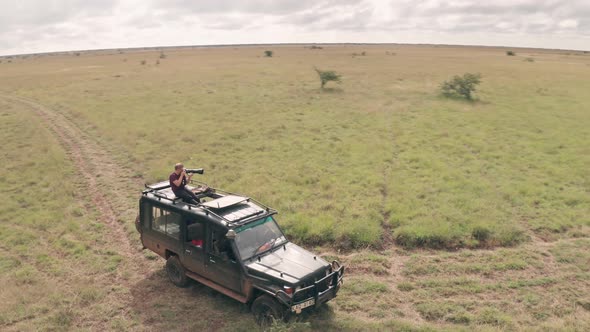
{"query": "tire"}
(176, 272)
(266, 310)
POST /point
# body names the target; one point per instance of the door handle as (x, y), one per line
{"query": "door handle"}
(211, 260)
(188, 251)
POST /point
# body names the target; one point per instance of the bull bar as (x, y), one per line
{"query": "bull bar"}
(335, 281)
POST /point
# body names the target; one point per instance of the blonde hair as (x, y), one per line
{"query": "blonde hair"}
(178, 165)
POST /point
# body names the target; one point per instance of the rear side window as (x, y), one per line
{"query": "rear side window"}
(166, 222)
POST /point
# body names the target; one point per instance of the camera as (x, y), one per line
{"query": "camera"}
(194, 170)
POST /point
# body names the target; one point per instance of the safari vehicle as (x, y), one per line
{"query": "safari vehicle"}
(234, 245)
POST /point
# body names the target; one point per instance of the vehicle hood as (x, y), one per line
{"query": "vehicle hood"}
(289, 264)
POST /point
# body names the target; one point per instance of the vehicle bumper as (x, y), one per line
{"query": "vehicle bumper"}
(318, 297)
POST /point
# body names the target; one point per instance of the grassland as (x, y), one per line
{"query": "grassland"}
(377, 171)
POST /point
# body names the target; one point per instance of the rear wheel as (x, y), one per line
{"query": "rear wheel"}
(176, 272)
(266, 310)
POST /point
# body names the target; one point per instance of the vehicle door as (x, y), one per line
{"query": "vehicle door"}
(193, 257)
(164, 230)
(222, 265)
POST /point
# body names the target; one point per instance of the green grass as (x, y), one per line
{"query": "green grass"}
(382, 148)
(48, 265)
(379, 161)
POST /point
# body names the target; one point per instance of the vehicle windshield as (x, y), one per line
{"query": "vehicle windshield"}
(258, 237)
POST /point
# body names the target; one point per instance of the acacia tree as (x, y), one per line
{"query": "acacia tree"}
(461, 86)
(327, 76)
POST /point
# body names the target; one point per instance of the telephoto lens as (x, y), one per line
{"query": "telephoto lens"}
(194, 170)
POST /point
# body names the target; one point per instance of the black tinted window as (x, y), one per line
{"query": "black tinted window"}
(166, 222)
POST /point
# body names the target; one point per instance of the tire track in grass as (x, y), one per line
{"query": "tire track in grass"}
(88, 159)
(109, 192)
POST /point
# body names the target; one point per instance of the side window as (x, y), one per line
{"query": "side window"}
(196, 234)
(220, 245)
(147, 215)
(166, 222)
(159, 220)
(173, 221)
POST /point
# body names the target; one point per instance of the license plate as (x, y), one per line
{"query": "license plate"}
(298, 307)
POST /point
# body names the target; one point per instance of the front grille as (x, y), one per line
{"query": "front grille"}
(310, 281)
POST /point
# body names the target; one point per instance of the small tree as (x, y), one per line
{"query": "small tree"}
(510, 53)
(268, 54)
(162, 55)
(461, 86)
(327, 76)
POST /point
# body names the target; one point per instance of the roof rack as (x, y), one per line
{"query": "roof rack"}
(155, 190)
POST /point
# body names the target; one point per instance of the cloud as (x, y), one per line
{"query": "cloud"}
(568, 24)
(38, 25)
(509, 16)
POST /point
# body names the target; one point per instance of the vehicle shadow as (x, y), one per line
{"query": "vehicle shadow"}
(158, 305)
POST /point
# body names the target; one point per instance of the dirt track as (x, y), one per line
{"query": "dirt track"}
(91, 162)
(93, 165)
(111, 195)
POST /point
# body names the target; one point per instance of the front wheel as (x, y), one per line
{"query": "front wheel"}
(266, 310)
(176, 272)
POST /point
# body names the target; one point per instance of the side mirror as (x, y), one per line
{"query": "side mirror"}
(231, 234)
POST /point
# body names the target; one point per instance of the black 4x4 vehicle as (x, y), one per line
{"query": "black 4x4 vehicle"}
(233, 244)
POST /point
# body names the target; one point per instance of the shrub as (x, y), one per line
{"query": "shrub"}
(529, 60)
(162, 55)
(142, 62)
(327, 76)
(461, 86)
(510, 53)
(268, 54)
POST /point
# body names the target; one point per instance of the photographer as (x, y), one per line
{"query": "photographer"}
(178, 180)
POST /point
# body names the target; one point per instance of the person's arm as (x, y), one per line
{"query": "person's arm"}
(189, 177)
(178, 182)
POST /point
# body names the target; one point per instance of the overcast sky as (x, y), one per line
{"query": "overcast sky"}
(30, 26)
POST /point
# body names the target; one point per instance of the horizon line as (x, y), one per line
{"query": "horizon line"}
(282, 44)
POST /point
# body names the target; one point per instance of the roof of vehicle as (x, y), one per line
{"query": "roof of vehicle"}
(227, 209)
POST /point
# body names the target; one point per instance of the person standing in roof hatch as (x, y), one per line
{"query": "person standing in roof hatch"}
(178, 180)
